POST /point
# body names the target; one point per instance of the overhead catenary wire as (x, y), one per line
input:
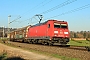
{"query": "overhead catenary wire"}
(27, 12)
(47, 3)
(64, 13)
(54, 8)
(58, 6)
(30, 19)
(71, 11)
(43, 3)
(33, 8)
(15, 19)
(68, 12)
(36, 9)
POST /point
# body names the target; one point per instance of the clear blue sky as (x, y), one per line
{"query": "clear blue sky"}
(78, 19)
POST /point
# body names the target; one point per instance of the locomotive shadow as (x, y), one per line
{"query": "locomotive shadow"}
(15, 58)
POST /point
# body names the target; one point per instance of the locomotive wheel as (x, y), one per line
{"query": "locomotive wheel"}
(50, 43)
(22, 41)
(34, 41)
(44, 43)
(30, 41)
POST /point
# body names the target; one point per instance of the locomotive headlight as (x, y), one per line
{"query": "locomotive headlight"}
(65, 32)
(55, 31)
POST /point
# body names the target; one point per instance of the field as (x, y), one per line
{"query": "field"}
(79, 42)
(66, 55)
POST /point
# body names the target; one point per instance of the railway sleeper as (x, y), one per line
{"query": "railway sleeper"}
(88, 48)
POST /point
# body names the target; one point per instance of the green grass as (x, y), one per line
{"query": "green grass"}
(3, 56)
(79, 42)
(64, 57)
(3, 38)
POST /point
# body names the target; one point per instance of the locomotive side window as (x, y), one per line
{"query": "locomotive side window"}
(48, 25)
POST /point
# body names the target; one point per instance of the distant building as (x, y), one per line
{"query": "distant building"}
(5, 31)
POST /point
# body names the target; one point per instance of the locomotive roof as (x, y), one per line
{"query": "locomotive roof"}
(45, 22)
(39, 24)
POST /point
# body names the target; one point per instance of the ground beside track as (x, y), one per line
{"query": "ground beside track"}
(82, 55)
(20, 54)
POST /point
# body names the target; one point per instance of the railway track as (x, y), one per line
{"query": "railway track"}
(78, 48)
(82, 48)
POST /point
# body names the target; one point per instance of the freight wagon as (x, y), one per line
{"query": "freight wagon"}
(19, 34)
(49, 32)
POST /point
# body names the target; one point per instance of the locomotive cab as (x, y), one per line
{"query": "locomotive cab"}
(58, 31)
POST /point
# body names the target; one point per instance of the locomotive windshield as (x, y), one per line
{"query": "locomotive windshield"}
(56, 25)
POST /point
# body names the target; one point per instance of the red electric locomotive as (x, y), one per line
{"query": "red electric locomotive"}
(49, 32)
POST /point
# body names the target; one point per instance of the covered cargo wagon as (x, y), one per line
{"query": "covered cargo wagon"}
(19, 34)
